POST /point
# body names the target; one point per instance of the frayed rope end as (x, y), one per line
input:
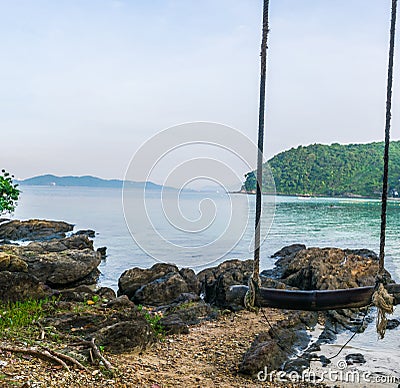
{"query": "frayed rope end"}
(384, 303)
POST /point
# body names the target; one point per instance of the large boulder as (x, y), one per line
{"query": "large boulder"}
(327, 269)
(216, 281)
(19, 286)
(132, 279)
(56, 269)
(33, 230)
(159, 285)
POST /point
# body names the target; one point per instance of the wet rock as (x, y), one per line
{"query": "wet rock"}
(324, 360)
(355, 358)
(86, 232)
(216, 281)
(392, 324)
(314, 348)
(60, 245)
(289, 250)
(18, 286)
(34, 229)
(273, 283)
(162, 290)
(103, 252)
(132, 279)
(272, 349)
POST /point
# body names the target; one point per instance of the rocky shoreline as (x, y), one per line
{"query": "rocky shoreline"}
(56, 263)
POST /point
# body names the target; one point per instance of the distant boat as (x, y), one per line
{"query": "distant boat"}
(304, 196)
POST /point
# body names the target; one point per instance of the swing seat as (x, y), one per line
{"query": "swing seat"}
(315, 300)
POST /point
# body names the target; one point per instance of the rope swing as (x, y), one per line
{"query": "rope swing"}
(254, 280)
(381, 298)
(379, 295)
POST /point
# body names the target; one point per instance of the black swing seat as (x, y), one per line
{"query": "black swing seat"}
(315, 300)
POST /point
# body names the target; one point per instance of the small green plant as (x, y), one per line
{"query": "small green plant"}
(20, 315)
(153, 318)
(9, 193)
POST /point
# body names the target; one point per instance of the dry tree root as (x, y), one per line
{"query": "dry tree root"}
(97, 354)
(94, 353)
(45, 354)
(67, 358)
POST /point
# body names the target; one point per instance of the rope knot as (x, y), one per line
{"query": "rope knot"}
(384, 303)
(250, 297)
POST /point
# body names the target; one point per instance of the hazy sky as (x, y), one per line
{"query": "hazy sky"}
(85, 83)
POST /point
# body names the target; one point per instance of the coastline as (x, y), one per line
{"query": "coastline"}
(191, 309)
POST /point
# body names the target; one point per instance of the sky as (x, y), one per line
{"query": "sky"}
(85, 83)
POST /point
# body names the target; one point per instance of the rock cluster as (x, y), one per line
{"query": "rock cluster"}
(55, 263)
(50, 262)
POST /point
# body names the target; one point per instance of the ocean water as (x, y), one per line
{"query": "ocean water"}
(319, 222)
(190, 228)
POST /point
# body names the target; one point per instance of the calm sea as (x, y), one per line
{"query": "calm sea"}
(322, 222)
(319, 222)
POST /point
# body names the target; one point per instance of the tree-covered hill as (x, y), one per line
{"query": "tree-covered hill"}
(333, 170)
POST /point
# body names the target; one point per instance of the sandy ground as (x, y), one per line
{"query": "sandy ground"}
(207, 357)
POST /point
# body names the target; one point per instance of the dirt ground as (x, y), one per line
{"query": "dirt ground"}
(206, 357)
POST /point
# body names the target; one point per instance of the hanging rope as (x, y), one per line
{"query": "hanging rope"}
(254, 280)
(381, 298)
(384, 302)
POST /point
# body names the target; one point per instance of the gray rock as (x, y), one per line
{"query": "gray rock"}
(12, 263)
(355, 358)
(106, 293)
(103, 252)
(272, 349)
(392, 324)
(289, 250)
(162, 290)
(34, 229)
(60, 245)
(121, 302)
(173, 324)
(191, 279)
(132, 279)
(125, 336)
(60, 269)
(77, 294)
(19, 286)
(86, 232)
(216, 281)
(191, 313)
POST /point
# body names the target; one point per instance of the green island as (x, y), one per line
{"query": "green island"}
(353, 170)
